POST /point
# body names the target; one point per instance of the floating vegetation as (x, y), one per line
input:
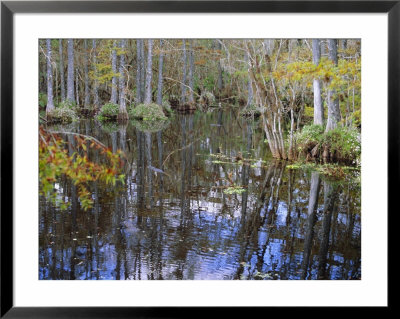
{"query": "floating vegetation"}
(234, 190)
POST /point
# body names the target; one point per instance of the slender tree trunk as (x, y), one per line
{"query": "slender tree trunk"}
(249, 84)
(71, 69)
(86, 70)
(122, 114)
(96, 101)
(114, 78)
(183, 85)
(149, 72)
(160, 74)
(76, 87)
(220, 83)
(62, 78)
(318, 106)
(50, 102)
(191, 71)
(139, 64)
(142, 71)
(333, 100)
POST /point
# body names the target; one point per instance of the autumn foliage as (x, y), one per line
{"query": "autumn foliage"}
(58, 158)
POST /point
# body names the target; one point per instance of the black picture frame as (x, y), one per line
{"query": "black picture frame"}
(9, 8)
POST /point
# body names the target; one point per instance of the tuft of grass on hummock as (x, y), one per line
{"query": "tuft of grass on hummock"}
(147, 112)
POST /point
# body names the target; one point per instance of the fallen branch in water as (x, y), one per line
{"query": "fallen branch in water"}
(180, 149)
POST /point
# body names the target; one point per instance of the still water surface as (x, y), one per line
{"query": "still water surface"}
(220, 209)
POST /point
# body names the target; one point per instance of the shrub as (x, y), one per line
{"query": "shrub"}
(147, 112)
(166, 108)
(207, 98)
(309, 137)
(344, 142)
(63, 113)
(108, 112)
(68, 104)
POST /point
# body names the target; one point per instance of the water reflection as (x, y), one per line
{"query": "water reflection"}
(171, 219)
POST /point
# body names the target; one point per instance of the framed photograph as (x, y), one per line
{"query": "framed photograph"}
(162, 155)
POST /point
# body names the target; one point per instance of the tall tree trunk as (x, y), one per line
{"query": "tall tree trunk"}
(220, 83)
(76, 87)
(149, 72)
(50, 102)
(96, 101)
(114, 71)
(318, 105)
(86, 70)
(71, 69)
(333, 100)
(183, 85)
(249, 84)
(139, 63)
(160, 74)
(142, 71)
(122, 114)
(62, 78)
(191, 71)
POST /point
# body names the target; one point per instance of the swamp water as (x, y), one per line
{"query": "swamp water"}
(202, 199)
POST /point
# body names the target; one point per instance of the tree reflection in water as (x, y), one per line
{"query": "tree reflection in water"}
(180, 224)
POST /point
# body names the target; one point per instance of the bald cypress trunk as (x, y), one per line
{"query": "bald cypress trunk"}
(71, 69)
(142, 71)
(191, 70)
(183, 84)
(220, 83)
(86, 70)
(160, 74)
(114, 78)
(96, 101)
(149, 72)
(50, 102)
(139, 63)
(122, 114)
(62, 77)
(249, 85)
(333, 100)
(318, 105)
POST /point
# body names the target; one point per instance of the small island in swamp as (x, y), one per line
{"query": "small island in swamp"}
(199, 159)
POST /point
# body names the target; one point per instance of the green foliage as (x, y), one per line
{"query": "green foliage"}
(166, 108)
(207, 98)
(234, 190)
(67, 104)
(343, 142)
(42, 100)
(54, 162)
(309, 136)
(108, 112)
(147, 112)
(346, 142)
(64, 113)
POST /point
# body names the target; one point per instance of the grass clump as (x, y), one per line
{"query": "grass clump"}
(64, 113)
(147, 112)
(207, 98)
(341, 145)
(309, 137)
(108, 112)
